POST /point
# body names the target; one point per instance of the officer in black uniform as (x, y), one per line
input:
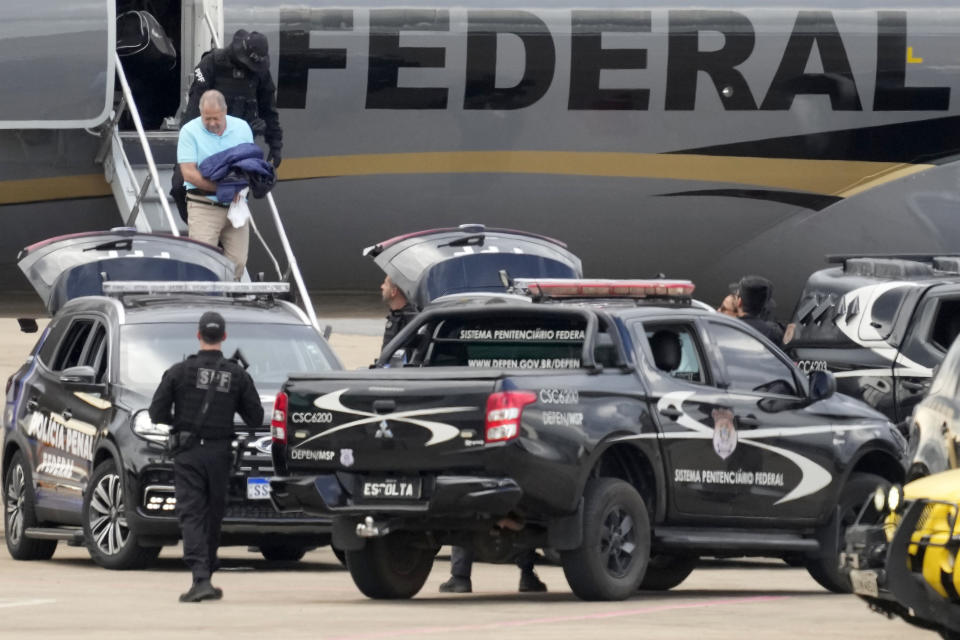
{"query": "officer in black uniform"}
(755, 297)
(401, 310)
(241, 72)
(204, 391)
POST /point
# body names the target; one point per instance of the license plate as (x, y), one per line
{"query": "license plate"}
(258, 489)
(392, 489)
(864, 582)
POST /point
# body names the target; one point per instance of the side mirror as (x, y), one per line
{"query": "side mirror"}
(82, 378)
(27, 325)
(822, 385)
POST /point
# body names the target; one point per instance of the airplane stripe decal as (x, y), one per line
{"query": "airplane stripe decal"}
(802, 178)
(927, 140)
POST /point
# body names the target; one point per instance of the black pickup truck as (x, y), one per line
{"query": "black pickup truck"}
(615, 421)
(881, 325)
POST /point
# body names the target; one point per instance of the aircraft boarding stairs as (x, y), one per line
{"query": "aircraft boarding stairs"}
(138, 166)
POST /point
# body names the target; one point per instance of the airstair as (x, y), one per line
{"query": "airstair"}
(138, 165)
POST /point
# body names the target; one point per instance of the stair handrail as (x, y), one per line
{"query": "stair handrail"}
(281, 231)
(145, 144)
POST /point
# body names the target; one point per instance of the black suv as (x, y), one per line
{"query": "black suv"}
(82, 462)
(880, 324)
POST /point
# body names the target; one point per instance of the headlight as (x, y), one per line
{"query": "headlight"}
(148, 430)
(879, 499)
(895, 498)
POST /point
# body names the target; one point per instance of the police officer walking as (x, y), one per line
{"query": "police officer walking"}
(199, 397)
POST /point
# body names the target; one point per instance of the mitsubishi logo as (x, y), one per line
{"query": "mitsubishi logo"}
(384, 430)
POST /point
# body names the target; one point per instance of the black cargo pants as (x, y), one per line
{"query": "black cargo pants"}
(461, 561)
(201, 476)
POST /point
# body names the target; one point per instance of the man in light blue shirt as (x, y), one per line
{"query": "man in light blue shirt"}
(214, 131)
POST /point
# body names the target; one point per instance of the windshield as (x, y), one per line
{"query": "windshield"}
(273, 351)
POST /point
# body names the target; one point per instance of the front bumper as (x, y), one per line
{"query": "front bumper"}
(881, 574)
(339, 494)
(245, 521)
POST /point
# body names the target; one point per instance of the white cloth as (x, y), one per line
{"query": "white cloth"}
(239, 212)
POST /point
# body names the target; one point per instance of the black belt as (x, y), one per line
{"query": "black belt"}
(203, 200)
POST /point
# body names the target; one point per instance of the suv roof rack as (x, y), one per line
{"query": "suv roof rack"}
(260, 289)
(898, 266)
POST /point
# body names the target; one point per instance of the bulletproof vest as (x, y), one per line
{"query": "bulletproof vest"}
(238, 86)
(197, 373)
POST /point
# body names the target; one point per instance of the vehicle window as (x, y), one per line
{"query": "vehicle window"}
(884, 311)
(509, 343)
(71, 347)
(946, 324)
(675, 352)
(750, 365)
(273, 351)
(96, 355)
(46, 353)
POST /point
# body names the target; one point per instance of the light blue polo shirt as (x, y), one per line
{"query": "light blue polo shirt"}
(196, 144)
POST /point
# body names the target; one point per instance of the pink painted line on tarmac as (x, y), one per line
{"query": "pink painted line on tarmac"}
(559, 619)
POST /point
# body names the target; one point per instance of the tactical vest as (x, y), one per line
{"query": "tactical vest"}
(237, 85)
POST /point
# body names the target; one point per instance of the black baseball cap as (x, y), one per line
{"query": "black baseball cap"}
(251, 49)
(212, 326)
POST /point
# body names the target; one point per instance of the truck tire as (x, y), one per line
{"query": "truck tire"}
(825, 566)
(19, 502)
(393, 567)
(281, 552)
(111, 541)
(664, 572)
(612, 560)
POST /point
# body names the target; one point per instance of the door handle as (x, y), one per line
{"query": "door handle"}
(32, 404)
(671, 412)
(748, 421)
(915, 387)
(67, 414)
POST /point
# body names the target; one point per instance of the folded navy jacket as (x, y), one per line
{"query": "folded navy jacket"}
(238, 167)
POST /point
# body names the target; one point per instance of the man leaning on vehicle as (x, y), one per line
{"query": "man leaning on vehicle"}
(204, 391)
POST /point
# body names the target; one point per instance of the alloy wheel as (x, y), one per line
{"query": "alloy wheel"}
(618, 541)
(16, 491)
(108, 520)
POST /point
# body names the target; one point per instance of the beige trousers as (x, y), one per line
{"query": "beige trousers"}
(208, 223)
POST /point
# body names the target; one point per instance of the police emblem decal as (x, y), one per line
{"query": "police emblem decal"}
(724, 433)
(346, 457)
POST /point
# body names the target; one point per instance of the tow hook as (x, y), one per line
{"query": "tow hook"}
(370, 529)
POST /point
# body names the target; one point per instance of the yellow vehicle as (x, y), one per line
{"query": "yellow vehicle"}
(906, 563)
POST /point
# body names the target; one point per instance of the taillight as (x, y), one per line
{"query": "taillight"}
(278, 423)
(503, 414)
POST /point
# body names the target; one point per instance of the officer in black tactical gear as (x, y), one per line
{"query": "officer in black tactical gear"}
(204, 391)
(241, 72)
(754, 299)
(401, 310)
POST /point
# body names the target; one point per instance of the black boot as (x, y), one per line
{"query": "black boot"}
(201, 590)
(456, 584)
(530, 583)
